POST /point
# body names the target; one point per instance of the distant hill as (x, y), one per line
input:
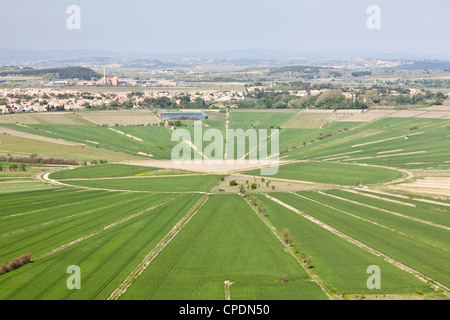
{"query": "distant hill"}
(8, 55)
(61, 73)
(424, 65)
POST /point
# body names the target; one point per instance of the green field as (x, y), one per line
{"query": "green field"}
(104, 258)
(402, 248)
(339, 263)
(103, 171)
(334, 173)
(195, 183)
(309, 232)
(103, 139)
(382, 142)
(225, 241)
(259, 120)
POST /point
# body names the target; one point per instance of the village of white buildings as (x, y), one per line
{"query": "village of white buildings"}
(60, 96)
(14, 100)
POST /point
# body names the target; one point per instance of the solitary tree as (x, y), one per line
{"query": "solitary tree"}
(286, 235)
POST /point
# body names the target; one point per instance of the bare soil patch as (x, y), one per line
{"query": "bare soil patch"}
(368, 115)
(428, 185)
(212, 166)
(435, 115)
(318, 118)
(265, 185)
(122, 120)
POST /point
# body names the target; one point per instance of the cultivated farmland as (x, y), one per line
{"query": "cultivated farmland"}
(206, 258)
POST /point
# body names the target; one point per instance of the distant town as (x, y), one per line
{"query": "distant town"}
(290, 87)
(17, 100)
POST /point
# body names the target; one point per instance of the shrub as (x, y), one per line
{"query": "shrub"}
(309, 261)
(233, 183)
(34, 159)
(253, 186)
(303, 255)
(262, 209)
(15, 263)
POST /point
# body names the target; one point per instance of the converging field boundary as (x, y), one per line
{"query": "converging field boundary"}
(145, 263)
(272, 229)
(365, 247)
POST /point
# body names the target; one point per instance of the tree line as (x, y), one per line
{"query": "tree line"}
(15, 263)
(270, 99)
(81, 73)
(35, 159)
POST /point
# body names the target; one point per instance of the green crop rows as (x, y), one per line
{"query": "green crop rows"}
(335, 197)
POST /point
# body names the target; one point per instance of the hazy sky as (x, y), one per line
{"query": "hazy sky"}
(407, 26)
